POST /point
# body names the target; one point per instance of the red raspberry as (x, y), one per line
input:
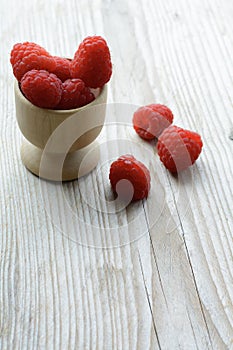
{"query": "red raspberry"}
(42, 88)
(128, 168)
(62, 69)
(74, 94)
(92, 62)
(33, 61)
(178, 148)
(150, 121)
(21, 50)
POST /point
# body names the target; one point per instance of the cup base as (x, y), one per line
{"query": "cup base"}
(76, 164)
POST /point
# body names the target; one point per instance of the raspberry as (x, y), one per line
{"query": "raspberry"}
(21, 50)
(62, 69)
(178, 148)
(33, 61)
(92, 62)
(42, 88)
(74, 94)
(150, 121)
(128, 168)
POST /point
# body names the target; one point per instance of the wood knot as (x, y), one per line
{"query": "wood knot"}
(231, 134)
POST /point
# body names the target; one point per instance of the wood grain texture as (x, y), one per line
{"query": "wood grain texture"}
(163, 278)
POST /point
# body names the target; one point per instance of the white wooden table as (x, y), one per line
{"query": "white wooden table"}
(159, 274)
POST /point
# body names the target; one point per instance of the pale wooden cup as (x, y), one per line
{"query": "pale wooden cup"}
(39, 127)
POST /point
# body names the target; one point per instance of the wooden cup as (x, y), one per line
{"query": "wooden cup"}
(64, 138)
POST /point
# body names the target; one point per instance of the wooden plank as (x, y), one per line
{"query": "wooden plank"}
(213, 213)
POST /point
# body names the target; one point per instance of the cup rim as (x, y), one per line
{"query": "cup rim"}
(57, 111)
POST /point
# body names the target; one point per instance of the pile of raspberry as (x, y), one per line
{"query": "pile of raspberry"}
(177, 148)
(58, 83)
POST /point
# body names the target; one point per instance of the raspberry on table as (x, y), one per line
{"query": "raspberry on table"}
(150, 121)
(42, 88)
(74, 94)
(178, 148)
(129, 168)
(92, 62)
(20, 50)
(62, 69)
(33, 61)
